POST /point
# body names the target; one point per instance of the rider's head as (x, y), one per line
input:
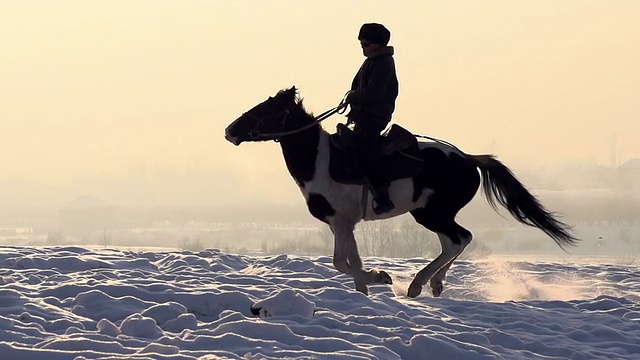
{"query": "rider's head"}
(373, 36)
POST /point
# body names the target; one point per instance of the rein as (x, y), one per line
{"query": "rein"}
(317, 120)
(340, 109)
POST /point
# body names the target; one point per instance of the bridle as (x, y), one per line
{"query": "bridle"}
(255, 133)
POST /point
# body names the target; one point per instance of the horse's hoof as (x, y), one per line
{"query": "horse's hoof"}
(383, 278)
(437, 290)
(363, 289)
(414, 291)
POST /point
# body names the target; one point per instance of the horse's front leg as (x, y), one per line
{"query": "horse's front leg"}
(340, 252)
(373, 276)
(346, 259)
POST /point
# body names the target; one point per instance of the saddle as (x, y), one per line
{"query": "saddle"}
(399, 155)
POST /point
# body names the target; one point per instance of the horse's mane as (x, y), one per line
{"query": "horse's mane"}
(291, 97)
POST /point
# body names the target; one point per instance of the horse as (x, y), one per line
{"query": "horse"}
(446, 182)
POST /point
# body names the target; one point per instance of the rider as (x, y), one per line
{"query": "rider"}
(372, 99)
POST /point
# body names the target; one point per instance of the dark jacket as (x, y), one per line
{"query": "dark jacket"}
(375, 88)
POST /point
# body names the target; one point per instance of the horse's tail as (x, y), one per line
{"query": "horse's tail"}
(500, 185)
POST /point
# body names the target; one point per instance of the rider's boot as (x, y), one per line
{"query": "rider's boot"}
(382, 202)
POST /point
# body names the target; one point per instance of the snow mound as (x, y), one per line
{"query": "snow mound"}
(284, 303)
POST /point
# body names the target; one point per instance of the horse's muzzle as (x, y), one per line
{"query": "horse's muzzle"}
(232, 139)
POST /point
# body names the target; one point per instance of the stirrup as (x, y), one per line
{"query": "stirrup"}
(383, 207)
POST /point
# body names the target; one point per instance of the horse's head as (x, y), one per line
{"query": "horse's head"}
(264, 121)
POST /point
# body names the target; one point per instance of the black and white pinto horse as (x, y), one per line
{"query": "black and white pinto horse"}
(448, 180)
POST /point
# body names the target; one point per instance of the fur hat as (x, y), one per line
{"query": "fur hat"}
(376, 33)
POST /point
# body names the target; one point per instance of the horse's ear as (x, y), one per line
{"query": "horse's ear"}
(292, 93)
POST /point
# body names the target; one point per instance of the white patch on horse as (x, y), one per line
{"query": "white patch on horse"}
(346, 198)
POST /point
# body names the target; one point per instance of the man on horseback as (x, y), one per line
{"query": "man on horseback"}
(372, 99)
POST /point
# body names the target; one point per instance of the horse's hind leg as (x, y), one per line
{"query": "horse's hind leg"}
(453, 239)
(439, 265)
(436, 282)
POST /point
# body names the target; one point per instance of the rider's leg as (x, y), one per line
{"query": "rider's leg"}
(368, 139)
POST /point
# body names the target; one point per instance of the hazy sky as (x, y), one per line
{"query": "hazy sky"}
(115, 86)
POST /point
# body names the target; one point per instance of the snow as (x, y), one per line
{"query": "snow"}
(80, 303)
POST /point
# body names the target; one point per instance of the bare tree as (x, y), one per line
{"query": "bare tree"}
(187, 243)
(418, 241)
(365, 233)
(105, 238)
(56, 238)
(386, 240)
(326, 237)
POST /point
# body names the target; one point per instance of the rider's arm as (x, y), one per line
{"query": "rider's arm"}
(376, 87)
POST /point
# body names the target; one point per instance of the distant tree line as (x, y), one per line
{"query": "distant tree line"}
(376, 238)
